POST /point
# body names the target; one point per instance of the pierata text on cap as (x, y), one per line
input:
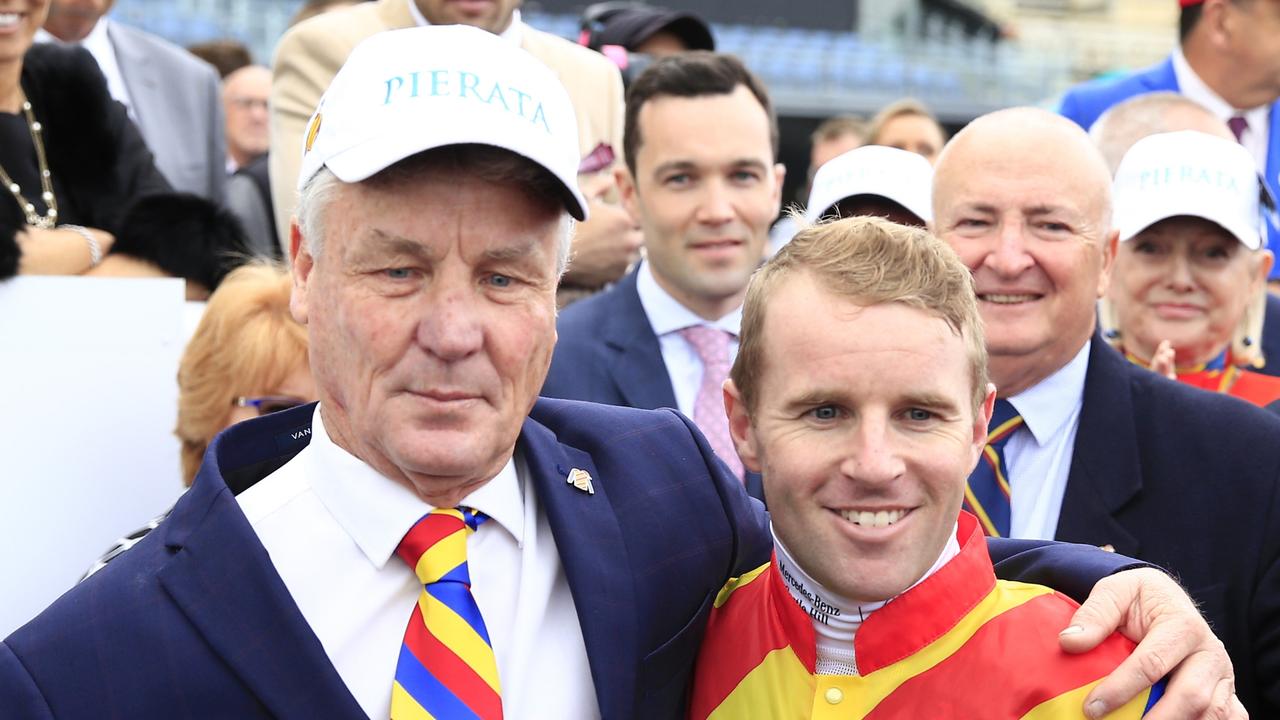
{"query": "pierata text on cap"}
(466, 86)
(1187, 175)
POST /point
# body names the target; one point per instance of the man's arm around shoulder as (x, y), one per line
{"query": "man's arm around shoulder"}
(19, 696)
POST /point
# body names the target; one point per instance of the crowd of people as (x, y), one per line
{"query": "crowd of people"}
(568, 345)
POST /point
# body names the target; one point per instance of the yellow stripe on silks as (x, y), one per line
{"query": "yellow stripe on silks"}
(779, 687)
(863, 694)
(448, 553)
(980, 512)
(734, 583)
(1071, 705)
(404, 707)
(458, 636)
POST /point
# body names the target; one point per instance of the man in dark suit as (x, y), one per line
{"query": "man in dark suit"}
(1101, 451)
(1229, 61)
(703, 182)
(563, 556)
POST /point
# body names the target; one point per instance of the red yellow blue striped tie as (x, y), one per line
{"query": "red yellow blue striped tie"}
(446, 670)
(987, 495)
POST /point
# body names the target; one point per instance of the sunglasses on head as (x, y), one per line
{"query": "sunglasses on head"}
(269, 404)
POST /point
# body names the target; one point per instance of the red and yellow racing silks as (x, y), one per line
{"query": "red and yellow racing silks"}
(960, 644)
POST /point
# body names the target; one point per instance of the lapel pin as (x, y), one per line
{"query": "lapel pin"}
(1107, 548)
(581, 479)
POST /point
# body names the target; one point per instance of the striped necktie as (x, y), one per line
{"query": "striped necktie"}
(987, 495)
(446, 669)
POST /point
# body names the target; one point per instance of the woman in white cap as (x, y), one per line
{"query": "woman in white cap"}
(1190, 273)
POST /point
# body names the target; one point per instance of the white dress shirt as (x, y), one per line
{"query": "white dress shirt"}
(1039, 454)
(98, 43)
(1255, 138)
(513, 33)
(331, 525)
(668, 317)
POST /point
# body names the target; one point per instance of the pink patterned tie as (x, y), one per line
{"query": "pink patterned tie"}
(712, 346)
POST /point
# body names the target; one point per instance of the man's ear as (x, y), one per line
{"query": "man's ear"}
(779, 176)
(740, 427)
(303, 264)
(1110, 246)
(981, 422)
(295, 239)
(627, 192)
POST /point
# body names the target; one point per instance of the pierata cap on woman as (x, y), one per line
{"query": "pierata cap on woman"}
(405, 91)
(1189, 173)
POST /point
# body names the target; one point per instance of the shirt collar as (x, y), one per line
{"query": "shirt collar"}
(96, 41)
(1191, 85)
(666, 314)
(377, 511)
(514, 32)
(1047, 406)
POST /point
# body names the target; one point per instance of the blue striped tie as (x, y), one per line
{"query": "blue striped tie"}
(447, 669)
(987, 495)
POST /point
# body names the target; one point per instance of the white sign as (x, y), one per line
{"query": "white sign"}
(88, 403)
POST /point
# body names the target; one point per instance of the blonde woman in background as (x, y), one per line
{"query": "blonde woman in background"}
(248, 357)
(1189, 283)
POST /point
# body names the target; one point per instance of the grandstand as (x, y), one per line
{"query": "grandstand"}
(812, 72)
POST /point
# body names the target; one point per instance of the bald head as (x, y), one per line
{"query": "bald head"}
(1162, 112)
(1024, 198)
(1025, 142)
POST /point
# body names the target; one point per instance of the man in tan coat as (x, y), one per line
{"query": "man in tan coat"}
(310, 54)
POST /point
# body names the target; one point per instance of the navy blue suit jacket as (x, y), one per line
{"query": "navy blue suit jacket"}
(1189, 480)
(194, 621)
(606, 352)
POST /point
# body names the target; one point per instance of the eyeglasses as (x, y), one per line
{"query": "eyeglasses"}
(269, 404)
(250, 103)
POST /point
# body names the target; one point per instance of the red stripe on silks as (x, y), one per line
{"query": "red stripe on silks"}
(450, 670)
(426, 533)
(758, 618)
(1017, 652)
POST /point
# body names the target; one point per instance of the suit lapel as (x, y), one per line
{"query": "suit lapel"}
(1273, 176)
(1106, 471)
(589, 540)
(222, 579)
(1161, 77)
(140, 77)
(638, 370)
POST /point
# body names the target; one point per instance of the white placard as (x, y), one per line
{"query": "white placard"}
(88, 402)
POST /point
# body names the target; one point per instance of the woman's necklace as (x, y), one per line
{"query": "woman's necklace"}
(49, 219)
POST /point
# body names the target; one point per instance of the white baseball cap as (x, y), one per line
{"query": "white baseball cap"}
(1189, 173)
(898, 175)
(401, 92)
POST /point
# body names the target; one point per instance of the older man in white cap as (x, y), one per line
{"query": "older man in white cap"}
(319, 567)
(432, 540)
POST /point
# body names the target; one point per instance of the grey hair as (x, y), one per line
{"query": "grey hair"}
(1124, 124)
(483, 162)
